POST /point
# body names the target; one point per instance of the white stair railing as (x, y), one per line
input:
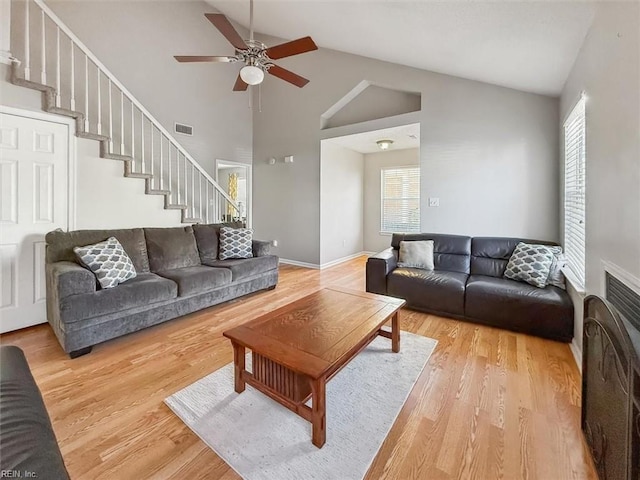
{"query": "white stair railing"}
(132, 133)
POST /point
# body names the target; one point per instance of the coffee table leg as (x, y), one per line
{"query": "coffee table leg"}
(238, 362)
(395, 333)
(318, 412)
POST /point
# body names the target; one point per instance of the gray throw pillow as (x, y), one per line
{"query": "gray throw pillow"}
(530, 263)
(108, 261)
(416, 254)
(556, 277)
(235, 243)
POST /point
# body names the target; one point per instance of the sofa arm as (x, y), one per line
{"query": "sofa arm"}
(260, 248)
(378, 267)
(69, 278)
(28, 442)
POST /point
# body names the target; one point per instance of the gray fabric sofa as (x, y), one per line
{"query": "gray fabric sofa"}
(178, 272)
(467, 283)
(28, 444)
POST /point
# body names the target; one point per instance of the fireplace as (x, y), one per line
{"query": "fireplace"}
(611, 380)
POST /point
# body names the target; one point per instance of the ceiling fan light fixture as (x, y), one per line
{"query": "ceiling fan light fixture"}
(251, 75)
(384, 144)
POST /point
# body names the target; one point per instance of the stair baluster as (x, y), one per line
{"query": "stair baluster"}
(147, 161)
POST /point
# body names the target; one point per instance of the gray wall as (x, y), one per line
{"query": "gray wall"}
(136, 41)
(490, 153)
(608, 70)
(375, 102)
(374, 241)
(341, 202)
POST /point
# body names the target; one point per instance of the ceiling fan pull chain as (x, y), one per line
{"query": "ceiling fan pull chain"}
(260, 98)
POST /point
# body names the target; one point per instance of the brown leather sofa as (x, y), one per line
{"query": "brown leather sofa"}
(467, 283)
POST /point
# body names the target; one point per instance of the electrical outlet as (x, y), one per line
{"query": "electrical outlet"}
(274, 243)
(434, 202)
(344, 242)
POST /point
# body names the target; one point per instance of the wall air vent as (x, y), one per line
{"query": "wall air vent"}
(183, 129)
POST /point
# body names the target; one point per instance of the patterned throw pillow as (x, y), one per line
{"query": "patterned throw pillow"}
(530, 263)
(556, 277)
(108, 261)
(235, 243)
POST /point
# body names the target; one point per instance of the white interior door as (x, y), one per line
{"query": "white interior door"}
(34, 162)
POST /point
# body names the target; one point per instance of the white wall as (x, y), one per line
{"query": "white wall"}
(341, 202)
(608, 70)
(490, 153)
(374, 241)
(106, 199)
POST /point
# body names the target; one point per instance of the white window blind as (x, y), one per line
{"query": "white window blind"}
(574, 190)
(400, 200)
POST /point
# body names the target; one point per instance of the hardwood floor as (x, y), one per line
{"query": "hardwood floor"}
(490, 404)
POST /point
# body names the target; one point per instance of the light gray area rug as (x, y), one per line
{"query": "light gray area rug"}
(262, 440)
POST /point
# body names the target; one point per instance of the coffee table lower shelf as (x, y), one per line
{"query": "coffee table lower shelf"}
(293, 389)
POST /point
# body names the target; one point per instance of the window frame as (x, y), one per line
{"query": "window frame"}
(382, 229)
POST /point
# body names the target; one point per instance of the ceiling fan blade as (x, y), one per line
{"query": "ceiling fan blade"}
(294, 47)
(240, 85)
(287, 76)
(224, 25)
(206, 58)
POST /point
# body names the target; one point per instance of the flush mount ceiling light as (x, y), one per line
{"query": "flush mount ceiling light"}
(384, 144)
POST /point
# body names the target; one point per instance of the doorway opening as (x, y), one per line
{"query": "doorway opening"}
(235, 179)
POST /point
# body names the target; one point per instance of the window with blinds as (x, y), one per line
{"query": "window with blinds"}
(400, 188)
(574, 191)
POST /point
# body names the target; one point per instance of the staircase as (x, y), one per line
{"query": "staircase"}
(51, 59)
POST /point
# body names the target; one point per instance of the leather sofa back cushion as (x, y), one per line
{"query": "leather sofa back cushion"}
(490, 255)
(451, 253)
(171, 248)
(60, 244)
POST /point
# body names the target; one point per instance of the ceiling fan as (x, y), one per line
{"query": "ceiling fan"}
(257, 57)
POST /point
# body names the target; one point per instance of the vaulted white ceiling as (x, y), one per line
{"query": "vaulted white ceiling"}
(529, 46)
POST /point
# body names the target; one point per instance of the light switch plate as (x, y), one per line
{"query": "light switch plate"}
(434, 202)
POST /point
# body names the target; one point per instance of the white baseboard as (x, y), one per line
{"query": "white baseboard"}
(341, 260)
(296, 263)
(577, 353)
(332, 263)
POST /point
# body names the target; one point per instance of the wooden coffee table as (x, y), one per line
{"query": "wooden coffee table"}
(298, 348)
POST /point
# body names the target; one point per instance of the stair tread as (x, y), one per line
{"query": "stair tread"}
(175, 207)
(92, 136)
(138, 175)
(116, 156)
(157, 192)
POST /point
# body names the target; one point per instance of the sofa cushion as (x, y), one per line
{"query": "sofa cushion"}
(171, 248)
(207, 238)
(435, 291)
(451, 253)
(198, 279)
(518, 306)
(27, 441)
(247, 267)
(60, 244)
(490, 255)
(145, 289)
(108, 261)
(530, 263)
